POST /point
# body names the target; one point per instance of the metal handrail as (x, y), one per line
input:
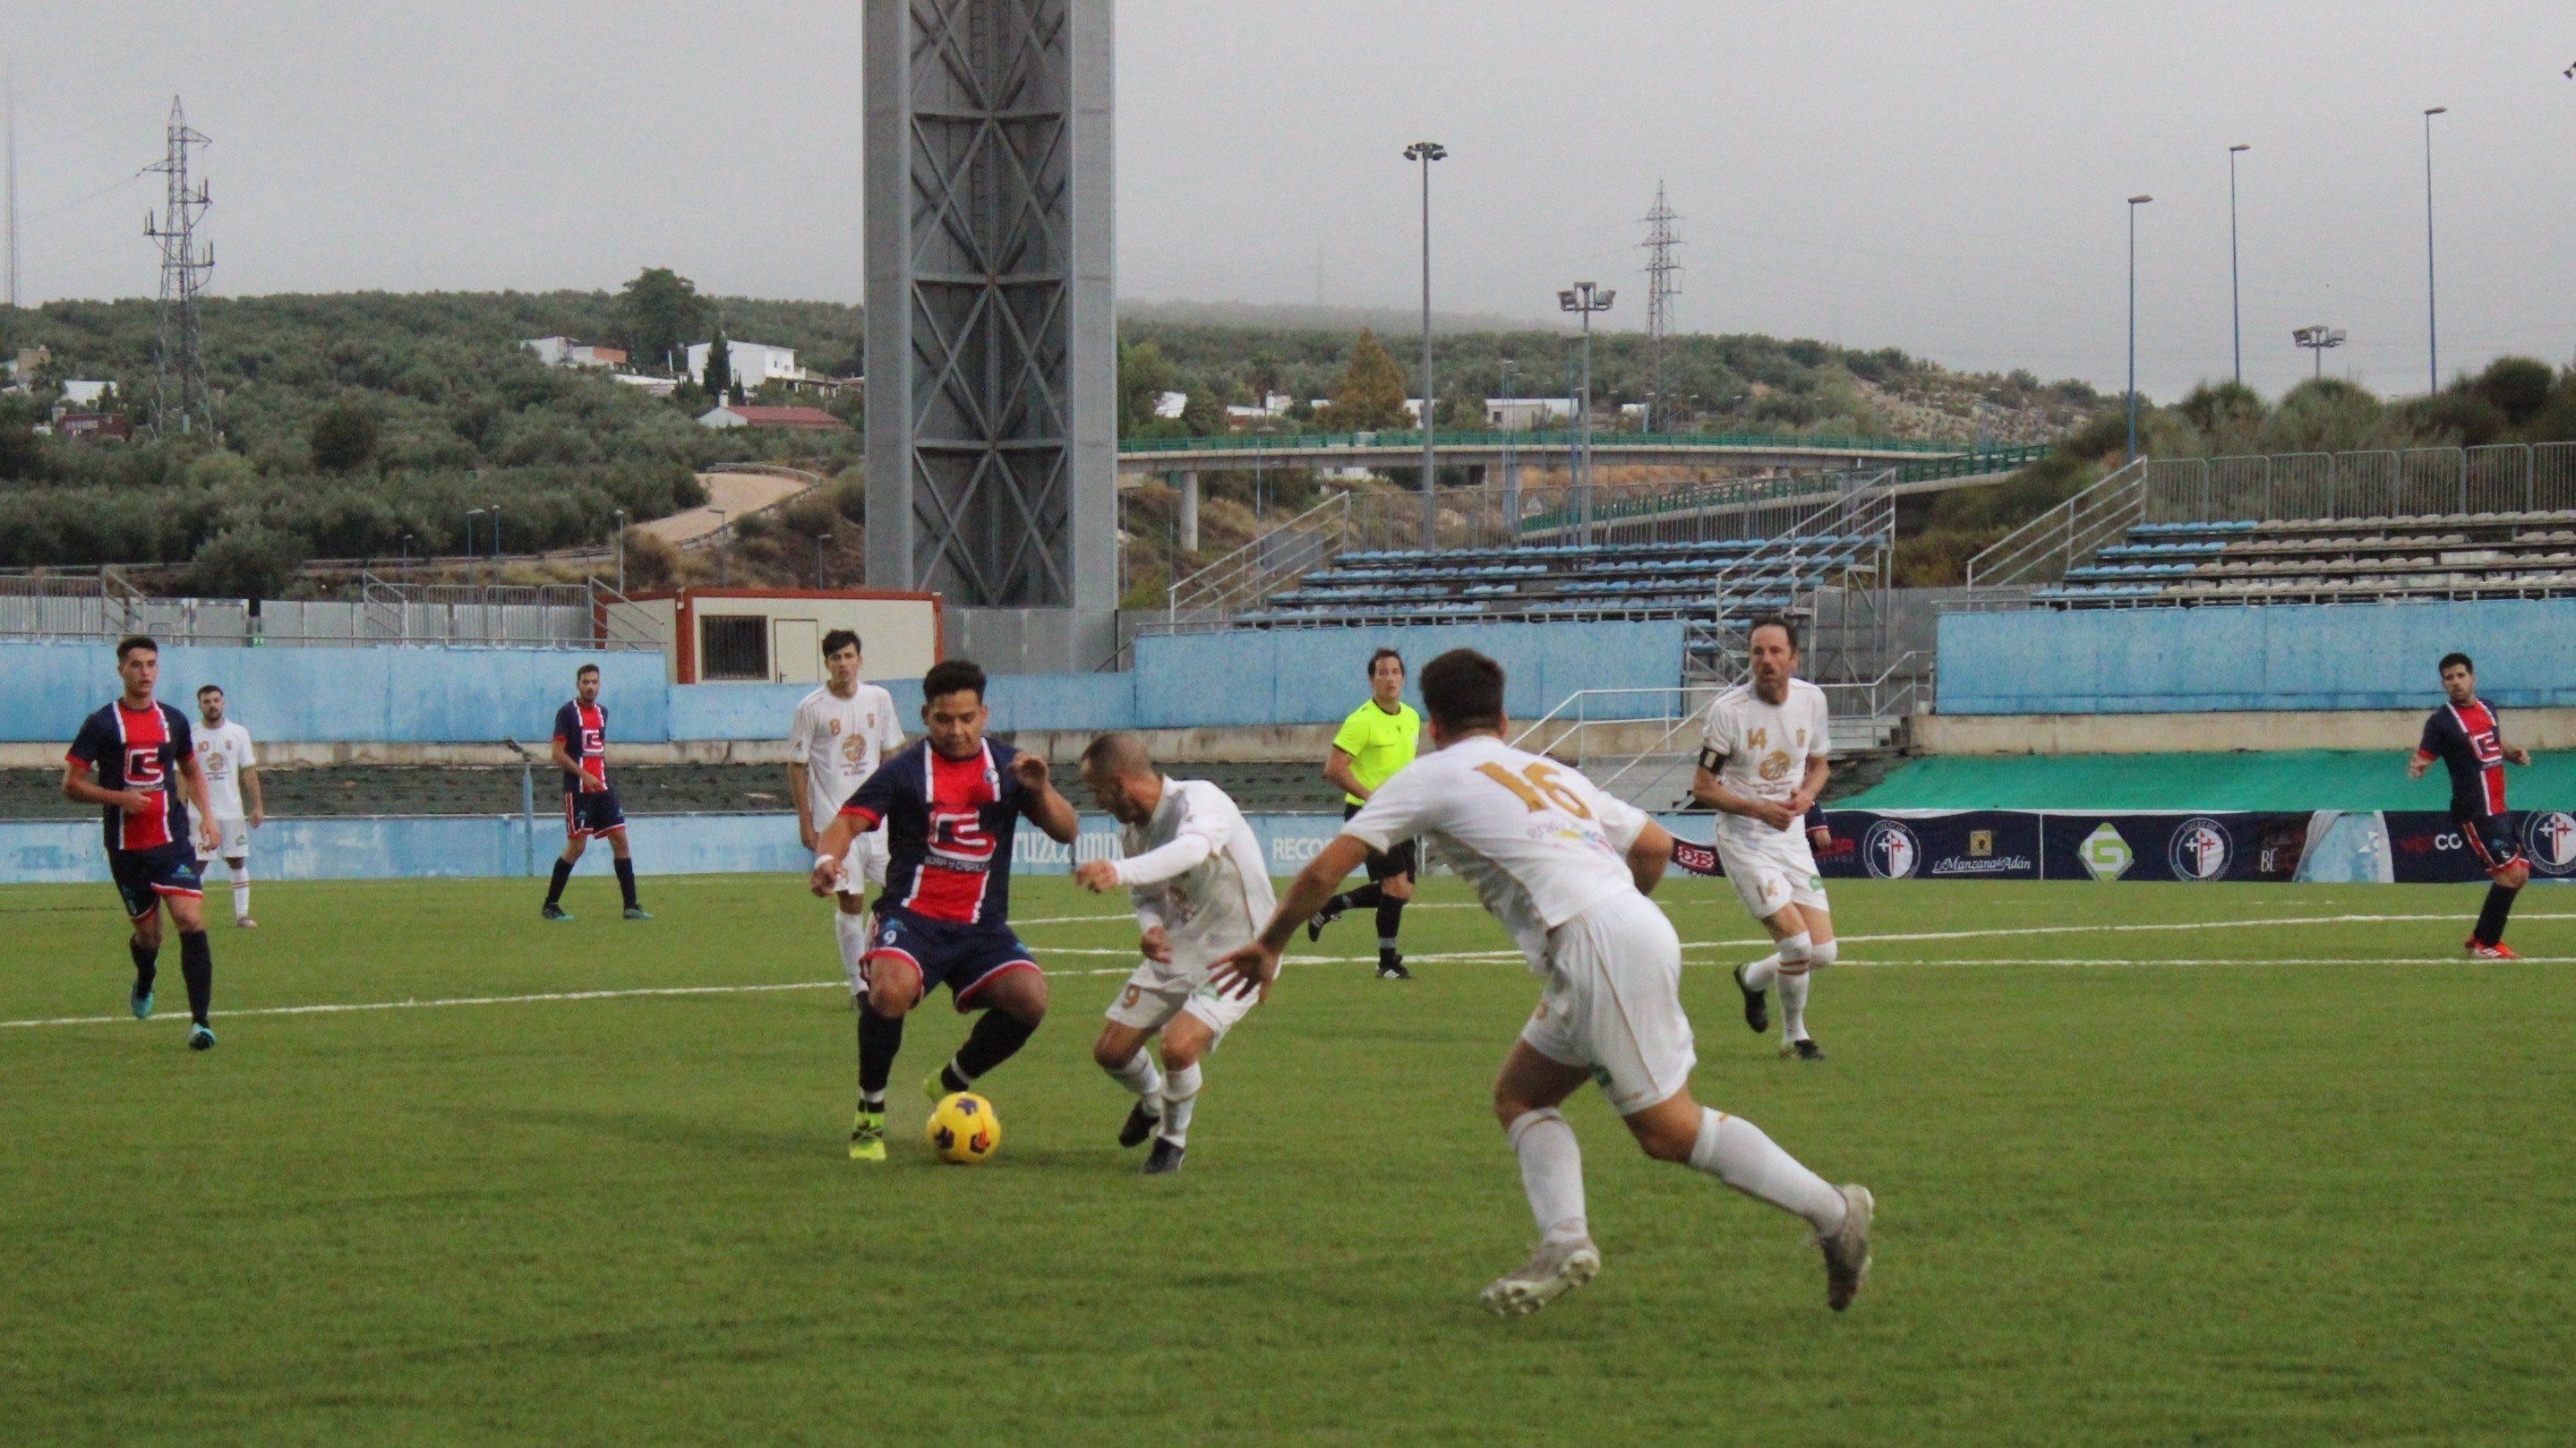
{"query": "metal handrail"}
(2009, 559)
(1472, 438)
(1219, 585)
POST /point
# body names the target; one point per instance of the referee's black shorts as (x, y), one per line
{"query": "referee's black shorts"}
(1397, 861)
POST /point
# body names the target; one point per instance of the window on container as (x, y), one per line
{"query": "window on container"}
(733, 646)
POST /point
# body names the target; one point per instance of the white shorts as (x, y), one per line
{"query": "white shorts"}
(232, 840)
(1157, 992)
(864, 863)
(1613, 1003)
(1774, 869)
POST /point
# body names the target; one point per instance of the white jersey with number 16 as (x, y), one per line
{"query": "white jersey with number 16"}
(1540, 843)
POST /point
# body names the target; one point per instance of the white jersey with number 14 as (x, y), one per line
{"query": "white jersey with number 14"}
(1540, 843)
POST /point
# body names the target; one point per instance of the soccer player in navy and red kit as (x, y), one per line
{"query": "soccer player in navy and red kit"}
(137, 747)
(2468, 738)
(590, 806)
(951, 804)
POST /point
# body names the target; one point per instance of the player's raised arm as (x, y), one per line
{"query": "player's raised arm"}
(1045, 808)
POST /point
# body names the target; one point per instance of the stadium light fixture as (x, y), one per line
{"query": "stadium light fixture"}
(2317, 339)
(1584, 298)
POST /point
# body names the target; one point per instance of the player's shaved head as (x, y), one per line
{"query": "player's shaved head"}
(1118, 755)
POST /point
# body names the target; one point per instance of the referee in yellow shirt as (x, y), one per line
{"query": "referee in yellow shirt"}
(1373, 743)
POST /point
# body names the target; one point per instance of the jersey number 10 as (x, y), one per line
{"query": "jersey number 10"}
(1537, 787)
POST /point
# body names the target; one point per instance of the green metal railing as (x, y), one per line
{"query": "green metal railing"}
(1753, 494)
(1534, 441)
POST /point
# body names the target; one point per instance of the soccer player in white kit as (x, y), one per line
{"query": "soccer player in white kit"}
(1566, 869)
(841, 731)
(1202, 886)
(225, 758)
(1762, 762)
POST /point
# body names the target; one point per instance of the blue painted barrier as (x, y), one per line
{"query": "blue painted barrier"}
(2280, 656)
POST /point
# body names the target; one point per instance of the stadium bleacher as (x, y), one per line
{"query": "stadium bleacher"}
(2504, 554)
(1559, 581)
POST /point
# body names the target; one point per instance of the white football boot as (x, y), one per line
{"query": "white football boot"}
(1554, 1270)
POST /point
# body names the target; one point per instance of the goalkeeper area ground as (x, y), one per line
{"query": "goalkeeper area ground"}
(2154, 1164)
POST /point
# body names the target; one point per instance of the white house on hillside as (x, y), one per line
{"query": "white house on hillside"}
(754, 363)
(570, 352)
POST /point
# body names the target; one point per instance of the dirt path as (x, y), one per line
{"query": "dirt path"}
(735, 494)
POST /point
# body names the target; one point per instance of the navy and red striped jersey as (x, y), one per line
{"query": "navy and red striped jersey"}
(2469, 740)
(950, 824)
(582, 729)
(138, 749)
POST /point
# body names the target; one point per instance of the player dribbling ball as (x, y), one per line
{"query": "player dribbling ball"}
(963, 1129)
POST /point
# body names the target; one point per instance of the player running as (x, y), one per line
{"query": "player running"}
(840, 733)
(1565, 868)
(135, 747)
(231, 770)
(2468, 738)
(590, 806)
(1202, 886)
(1373, 743)
(951, 804)
(1762, 762)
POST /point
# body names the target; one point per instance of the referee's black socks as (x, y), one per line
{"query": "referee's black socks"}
(197, 964)
(1390, 919)
(2491, 915)
(147, 964)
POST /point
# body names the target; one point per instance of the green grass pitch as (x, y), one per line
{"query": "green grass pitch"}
(2304, 1180)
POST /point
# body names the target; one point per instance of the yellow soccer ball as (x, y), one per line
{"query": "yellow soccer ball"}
(963, 1129)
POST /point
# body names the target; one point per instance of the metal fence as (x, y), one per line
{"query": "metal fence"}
(2383, 485)
(1135, 448)
(2351, 486)
(106, 605)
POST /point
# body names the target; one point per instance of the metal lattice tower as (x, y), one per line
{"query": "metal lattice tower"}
(180, 400)
(1663, 283)
(992, 344)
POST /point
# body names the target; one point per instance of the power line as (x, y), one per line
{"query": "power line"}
(1662, 285)
(179, 390)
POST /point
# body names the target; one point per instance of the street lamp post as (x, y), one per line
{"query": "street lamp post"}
(496, 545)
(470, 515)
(1511, 469)
(1585, 298)
(621, 550)
(2235, 301)
(1427, 152)
(2134, 203)
(2432, 328)
(722, 536)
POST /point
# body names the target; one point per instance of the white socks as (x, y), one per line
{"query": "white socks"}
(241, 891)
(1138, 1075)
(852, 931)
(1180, 1096)
(1793, 987)
(1552, 1173)
(1736, 1152)
(1792, 954)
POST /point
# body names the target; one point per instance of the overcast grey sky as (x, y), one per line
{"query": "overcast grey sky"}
(1946, 178)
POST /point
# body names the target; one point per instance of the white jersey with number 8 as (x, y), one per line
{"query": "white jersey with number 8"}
(1540, 843)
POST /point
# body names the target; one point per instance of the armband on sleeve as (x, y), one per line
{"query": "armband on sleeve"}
(1711, 760)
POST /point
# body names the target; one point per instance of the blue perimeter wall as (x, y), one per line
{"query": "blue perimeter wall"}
(2277, 656)
(441, 695)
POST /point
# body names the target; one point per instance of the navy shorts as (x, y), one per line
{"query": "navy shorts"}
(2492, 840)
(965, 958)
(143, 877)
(592, 812)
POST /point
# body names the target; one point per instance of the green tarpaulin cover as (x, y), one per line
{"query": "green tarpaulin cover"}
(2292, 779)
